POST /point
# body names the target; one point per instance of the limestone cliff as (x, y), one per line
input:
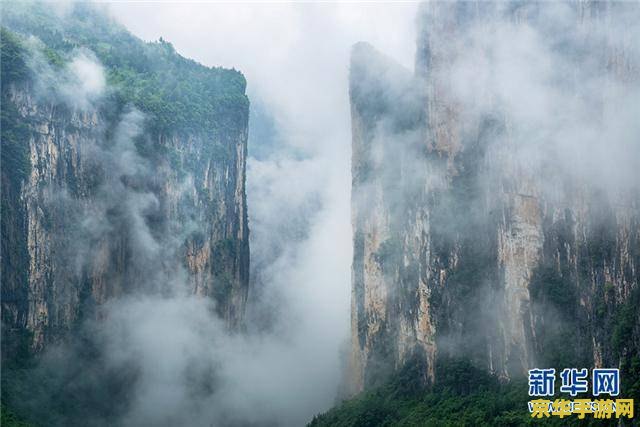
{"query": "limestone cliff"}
(126, 190)
(481, 229)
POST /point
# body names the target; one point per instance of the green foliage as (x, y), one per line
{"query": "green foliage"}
(557, 299)
(224, 252)
(458, 376)
(555, 289)
(630, 379)
(53, 389)
(626, 319)
(53, 57)
(15, 167)
(561, 331)
(463, 395)
(15, 143)
(13, 65)
(487, 403)
(499, 405)
(9, 419)
(176, 93)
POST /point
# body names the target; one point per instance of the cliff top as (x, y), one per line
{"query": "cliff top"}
(176, 92)
(379, 86)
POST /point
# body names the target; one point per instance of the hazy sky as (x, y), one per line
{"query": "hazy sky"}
(295, 56)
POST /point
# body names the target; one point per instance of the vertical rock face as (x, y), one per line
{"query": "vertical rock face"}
(99, 201)
(390, 298)
(495, 207)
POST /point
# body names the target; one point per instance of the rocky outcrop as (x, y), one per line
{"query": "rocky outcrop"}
(100, 203)
(481, 230)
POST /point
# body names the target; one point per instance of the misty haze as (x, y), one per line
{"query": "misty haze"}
(324, 214)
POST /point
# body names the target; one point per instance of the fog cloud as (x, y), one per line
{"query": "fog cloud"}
(178, 362)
